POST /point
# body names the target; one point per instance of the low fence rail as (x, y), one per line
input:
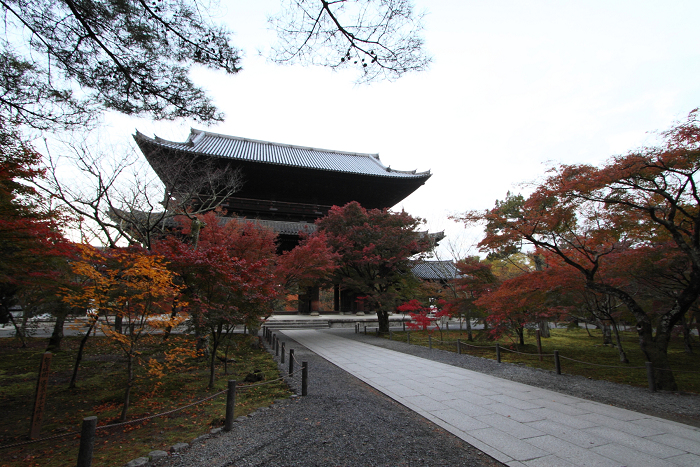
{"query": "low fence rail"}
(89, 428)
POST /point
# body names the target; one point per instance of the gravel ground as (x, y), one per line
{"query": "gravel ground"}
(344, 422)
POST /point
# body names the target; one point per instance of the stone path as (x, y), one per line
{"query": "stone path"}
(517, 424)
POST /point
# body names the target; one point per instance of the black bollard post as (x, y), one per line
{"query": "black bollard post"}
(291, 362)
(282, 355)
(87, 441)
(365, 330)
(557, 364)
(277, 346)
(230, 404)
(304, 378)
(498, 353)
(650, 376)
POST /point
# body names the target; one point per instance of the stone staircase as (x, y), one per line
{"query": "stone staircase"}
(298, 324)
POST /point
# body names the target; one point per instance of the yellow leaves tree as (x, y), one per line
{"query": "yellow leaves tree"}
(131, 286)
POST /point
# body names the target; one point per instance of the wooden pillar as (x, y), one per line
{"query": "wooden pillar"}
(336, 297)
(314, 300)
(304, 303)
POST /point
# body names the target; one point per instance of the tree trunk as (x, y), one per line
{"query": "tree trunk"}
(656, 352)
(19, 332)
(383, 318)
(544, 328)
(79, 357)
(607, 335)
(470, 337)
(57, 335)
(169, 329)
(620, 350)
(521, 335)
(686, 336)
(118, 323)
(129, 384)
(216, 337)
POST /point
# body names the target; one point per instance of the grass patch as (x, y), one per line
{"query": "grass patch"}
(100, 389)
(574, 344)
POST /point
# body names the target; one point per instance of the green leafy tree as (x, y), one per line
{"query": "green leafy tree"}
(65, 61)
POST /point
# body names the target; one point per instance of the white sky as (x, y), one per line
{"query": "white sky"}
(514, 86)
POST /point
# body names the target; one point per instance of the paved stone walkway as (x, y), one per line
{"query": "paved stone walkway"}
(517, 424)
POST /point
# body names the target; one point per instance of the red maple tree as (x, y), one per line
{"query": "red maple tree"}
(33, 250)
(229, 277)
(376, 248)
(588, 215)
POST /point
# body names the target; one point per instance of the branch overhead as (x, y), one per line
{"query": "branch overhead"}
(379, 38)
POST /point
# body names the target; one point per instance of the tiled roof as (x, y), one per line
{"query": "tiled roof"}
(435, 270)
(212, 144)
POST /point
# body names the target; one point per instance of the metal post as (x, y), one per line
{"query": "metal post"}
(557, 364)
(304, 377)
(498, 353)
(459, 347)
(365, 330)
(291, 362)
(230, 404)
(274, 341)
(282, 355)
(650, 376)
(430, 342)
(277, 346)
(87, 441)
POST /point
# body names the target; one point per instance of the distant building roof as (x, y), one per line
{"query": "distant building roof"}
(232, 147)
(436, 270)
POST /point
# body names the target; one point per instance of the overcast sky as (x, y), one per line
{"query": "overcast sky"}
(514, 87)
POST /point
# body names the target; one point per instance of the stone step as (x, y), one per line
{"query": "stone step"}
(298, 324)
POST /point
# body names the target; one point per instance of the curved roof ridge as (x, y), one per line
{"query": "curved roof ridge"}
(284, 145)
(265, 152)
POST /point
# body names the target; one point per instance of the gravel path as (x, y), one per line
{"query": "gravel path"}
(344, 422)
